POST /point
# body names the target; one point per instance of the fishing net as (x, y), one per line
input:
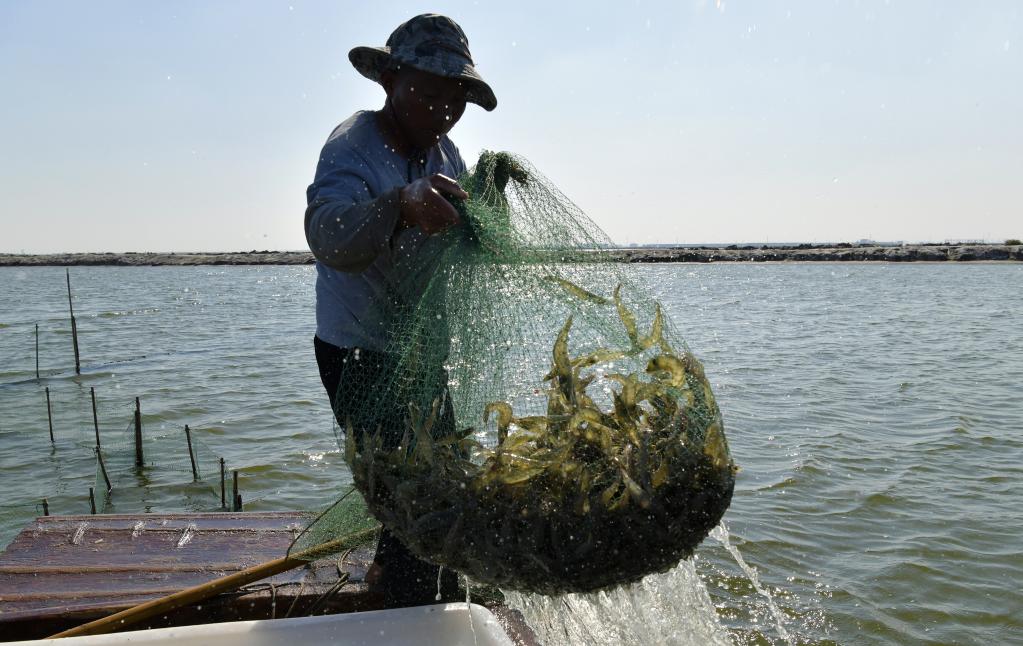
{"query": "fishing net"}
(537, 422)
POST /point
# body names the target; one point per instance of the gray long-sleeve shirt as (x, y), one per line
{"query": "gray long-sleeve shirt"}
(349, 225)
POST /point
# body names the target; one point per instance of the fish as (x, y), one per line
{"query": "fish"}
(579, 292)
(715, 447)
(627, 317)
(504, 418)
(668, 368)
(656, 336)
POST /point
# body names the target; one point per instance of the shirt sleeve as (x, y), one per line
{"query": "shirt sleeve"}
(455, 158)
(346, 225)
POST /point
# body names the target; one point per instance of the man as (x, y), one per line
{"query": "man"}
(381, 191)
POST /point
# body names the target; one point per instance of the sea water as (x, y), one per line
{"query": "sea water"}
(874, 410)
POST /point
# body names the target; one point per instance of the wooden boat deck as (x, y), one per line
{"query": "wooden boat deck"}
(61, 571)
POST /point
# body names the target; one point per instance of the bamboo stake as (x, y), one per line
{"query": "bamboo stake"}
(49, 415)
(206, 590)
(74, 326)
(95, 419)
(237, 497)
(92, 500)
(46, 507)
(103, 469)
(223, 487)
(37, 352)
(138, 434)
(191, 454)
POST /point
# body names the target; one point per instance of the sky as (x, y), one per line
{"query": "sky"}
(196, 126)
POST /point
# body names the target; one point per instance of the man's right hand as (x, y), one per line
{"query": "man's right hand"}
(423, 203)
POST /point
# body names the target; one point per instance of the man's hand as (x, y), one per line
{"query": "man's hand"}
(423, 203)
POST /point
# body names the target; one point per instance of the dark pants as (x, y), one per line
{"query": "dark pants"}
(405, 579)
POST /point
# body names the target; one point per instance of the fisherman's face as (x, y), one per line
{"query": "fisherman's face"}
(426, 106)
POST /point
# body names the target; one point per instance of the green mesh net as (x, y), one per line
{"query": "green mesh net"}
(537, 422)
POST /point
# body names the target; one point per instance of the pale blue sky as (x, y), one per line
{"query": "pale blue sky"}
(178, 126)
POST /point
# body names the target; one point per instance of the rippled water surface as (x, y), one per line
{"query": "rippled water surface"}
(875, 410)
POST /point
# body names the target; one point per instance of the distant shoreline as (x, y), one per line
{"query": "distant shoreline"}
(731, 253)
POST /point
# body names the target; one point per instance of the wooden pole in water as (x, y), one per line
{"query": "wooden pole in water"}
(209, 589)
(49, 414)
(95, 418)
(223, 488)
(46, 507)
(74, 325)
(37, 352)
(237, 497)
(139, 461)
(92, 500)
(191, 454)
(103, 469)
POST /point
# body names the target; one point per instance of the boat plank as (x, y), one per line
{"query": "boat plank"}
(88, 585)
(271, 521)
(83, 543)
(65, 570)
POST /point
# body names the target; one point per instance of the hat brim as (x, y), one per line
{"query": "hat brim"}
(372, 61)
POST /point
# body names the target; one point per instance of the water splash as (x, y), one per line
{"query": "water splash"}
(440, 572)
(187, 534)
(79, 534)
(468, 609)
(720, 534)
(669, 608)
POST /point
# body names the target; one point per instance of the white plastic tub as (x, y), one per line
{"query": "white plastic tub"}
(443, 624)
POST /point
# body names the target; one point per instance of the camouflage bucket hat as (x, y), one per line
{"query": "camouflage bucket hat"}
(431, 43)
